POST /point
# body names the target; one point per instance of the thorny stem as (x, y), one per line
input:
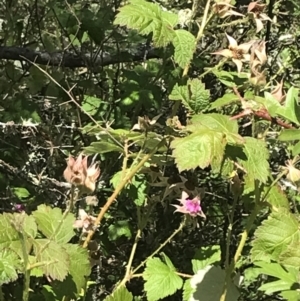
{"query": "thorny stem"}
(124, 181)
(204, 22)
(236, 22)
(182, 224)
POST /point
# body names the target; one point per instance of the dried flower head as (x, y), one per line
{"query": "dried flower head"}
(189, 206)
(293, 174)
(238, 53)
(224, 9)
(278, 93)
(77, 173)
(85, 221)
(256, 9)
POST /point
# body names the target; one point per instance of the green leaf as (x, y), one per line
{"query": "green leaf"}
(219, 123)
(225, 100)
(121, 294)
(275, 286)
(48, 220)
(291, 110)
(274, 236)
(148, 18)
(276, 270)
(20, 192)
(296, 149)
(187, 290)
(9, 262)
(80, 266)
(193, 95)
(55, 258)
(201, 148)
(208, 284)
(91, 104)
(276, 197)
(289, 135)
(290, 295)
(206, 256)
(118, 229)
(256, 163)
(161, 279)
(184, 43)
(291, 256)
(7, 232)
(102, 147)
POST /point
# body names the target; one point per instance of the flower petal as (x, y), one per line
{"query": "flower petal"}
(224, 52)
(232, 41)
(239, 64)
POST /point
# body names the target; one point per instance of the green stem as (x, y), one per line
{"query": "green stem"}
(182, 224)
(200, 33)
(129, 265)
(242, 242)
(227, 255)
(27, 271)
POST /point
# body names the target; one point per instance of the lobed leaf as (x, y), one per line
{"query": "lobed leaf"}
(55, 258)
(184, 43)
(275, 235)
(161, 279)
(148, 18)
(48, 219)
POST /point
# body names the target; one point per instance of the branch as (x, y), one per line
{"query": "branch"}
(72, 60)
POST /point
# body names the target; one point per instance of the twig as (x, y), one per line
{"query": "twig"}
(122, 184)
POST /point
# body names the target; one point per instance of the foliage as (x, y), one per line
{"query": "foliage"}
(112, 113)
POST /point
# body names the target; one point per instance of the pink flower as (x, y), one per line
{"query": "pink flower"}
(189, 206)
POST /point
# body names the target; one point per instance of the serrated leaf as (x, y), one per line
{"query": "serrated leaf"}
(193, 95)
(161, 280)
(256, 163)
(208, 284)
(118, 229)
(46, 251)
(80, 267)
(184, 43)
(102, 147)
(289, 135)
(274, 236)
(291, 256)
(225, 100)
(219, 123)
(276, 197)
(121, 294)
(9, 262)
(7, 232)
(199, 149)
(206, 256)
(48, 219)
(148, 18)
